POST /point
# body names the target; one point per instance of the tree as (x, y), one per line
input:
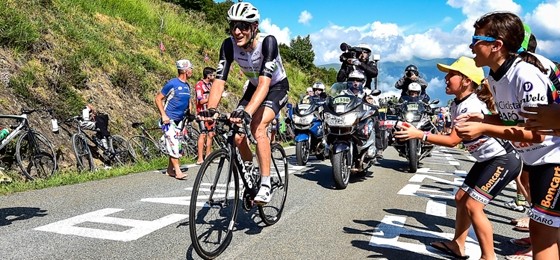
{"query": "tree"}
(300, 52)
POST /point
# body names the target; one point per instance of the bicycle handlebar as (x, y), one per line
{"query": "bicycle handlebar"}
(246, 127)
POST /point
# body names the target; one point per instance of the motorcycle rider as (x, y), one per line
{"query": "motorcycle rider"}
(355, 84)
(319, 92)
(414, 93)
(411, 75)
(361, 63)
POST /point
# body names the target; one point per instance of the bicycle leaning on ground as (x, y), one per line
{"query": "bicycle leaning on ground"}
(34, 153)
(145, 146)
(214, 200)
(117, 152)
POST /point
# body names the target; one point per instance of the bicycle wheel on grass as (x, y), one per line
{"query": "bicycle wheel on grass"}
(272, 211)
(213, 205)
(122, 150)
(35, 156)
(84, 158)
(144, 148)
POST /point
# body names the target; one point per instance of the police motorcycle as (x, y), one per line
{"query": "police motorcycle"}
(418, 113)
(349, 128)
(308, 126)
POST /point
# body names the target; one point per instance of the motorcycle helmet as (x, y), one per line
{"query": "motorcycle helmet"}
(356, 80)
(411, 69)
(414, 87)
(319, 86)
(244, 12)
(364, 47)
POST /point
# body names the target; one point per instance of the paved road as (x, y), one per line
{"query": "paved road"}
(389, 214)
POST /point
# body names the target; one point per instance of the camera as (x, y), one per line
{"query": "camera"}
(409, 73)
(349, 52)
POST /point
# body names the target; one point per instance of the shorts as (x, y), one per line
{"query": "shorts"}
(206, 126)
(171, 134)
(276, 98)
(487, 179)
(544, 181)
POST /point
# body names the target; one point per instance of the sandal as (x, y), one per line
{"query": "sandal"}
(520, 255)
(522, 225)
(522, 242)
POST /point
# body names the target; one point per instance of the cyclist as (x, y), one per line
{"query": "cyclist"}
(173, 105)
(259, 59)
(202, 90)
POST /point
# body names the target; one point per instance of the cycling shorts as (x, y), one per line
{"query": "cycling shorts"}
(544, 181)
(487, 179)
(276, 98)
(206, 126)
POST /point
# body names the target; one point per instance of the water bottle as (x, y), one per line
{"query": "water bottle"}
(3, 133)
(85, 114)
(54, 124)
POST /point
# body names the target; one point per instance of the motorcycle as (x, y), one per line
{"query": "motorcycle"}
(418, 114)
(350, 134)
(308, 129)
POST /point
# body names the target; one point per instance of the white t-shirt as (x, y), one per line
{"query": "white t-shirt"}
(515, 85)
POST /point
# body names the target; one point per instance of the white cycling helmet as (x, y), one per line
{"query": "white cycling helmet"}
(319, 85)
(356, 74)
(365, 47)
(414, 87)
(244, 12)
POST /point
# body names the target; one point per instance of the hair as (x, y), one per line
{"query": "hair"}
(483, 93)
(509, 28)
(207, 71)
(532, 46)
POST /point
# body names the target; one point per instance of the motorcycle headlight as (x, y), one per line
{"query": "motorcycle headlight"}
(303, 120)
(409, 117)
(344, 120)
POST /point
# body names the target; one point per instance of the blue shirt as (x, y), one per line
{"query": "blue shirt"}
(177, 95)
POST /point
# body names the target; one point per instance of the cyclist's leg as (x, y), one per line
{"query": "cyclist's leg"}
(211, 133)
(201, 140)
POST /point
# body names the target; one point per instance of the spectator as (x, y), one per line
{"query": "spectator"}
(202, 90)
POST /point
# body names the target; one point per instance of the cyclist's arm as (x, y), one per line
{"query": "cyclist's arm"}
(222, 71)
(270, 54)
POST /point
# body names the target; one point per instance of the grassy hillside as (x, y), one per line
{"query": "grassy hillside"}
(61, 53)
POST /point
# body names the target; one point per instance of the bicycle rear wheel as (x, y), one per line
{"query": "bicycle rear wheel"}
(272, 211)
(35, 156)
(122, 150)
(213, 205)
(84, 158)
(144, 148)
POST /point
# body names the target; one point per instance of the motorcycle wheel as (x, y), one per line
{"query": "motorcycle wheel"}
(302, 153)
(413, 155)
(341, 169)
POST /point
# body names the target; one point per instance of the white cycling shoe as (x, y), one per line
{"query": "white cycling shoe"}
(264, 195)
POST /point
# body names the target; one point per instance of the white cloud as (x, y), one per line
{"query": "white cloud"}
(544, 21)
(282, 35)
(305, 17)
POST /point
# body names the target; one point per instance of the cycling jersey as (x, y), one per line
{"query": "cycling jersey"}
(517, 84)
(202, 90)
(177, 95)
(484, 147)
(553, 75)
(263, 60)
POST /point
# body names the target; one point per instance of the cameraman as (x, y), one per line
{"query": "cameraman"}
(410, 75)
(359, 57)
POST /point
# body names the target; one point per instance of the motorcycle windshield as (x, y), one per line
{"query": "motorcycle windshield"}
(413, 106)
(343, 103)
(305, 107)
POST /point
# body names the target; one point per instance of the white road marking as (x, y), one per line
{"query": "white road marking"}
(436, 208)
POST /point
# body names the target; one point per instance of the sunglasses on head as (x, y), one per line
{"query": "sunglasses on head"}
(477, 38)
(243, 26)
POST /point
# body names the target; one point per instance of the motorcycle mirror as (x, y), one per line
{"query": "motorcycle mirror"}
(435, 101)
(376, 92)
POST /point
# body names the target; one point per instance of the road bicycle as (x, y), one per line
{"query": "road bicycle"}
(145, 146)
(34, 153)
(116, 152)
(217, 190)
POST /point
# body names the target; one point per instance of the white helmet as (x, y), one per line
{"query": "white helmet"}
(319, 85)
(364, 46)
(414, 87)
(356, 74)
(244, 12)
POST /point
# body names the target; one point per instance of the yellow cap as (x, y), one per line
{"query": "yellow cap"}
(466, 66)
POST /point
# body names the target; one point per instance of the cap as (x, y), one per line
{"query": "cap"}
(466, 66)
(183, 64)
(527, 35)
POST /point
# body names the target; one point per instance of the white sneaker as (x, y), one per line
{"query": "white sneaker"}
(263, 196)
(514, 206)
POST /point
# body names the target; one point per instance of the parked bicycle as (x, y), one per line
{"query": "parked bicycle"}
(145, 146)
(34, 153)
(118, 150)
(215, 195)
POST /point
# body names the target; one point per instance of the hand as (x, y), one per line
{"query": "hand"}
(165, 119)
(407, 132)
(208, 114)
(473, 117)
(355, 62)
(469, 130)
(238, 115)
(541, 118)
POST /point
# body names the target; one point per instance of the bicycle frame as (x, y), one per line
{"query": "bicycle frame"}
(22, 126)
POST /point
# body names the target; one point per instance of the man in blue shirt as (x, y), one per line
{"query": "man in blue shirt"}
(173, 105)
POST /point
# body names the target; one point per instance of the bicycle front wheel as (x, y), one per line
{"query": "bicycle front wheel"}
(84, 158)
(35, 156)
(122, 150)
(144, 148)
(213, 205)
(271, 212)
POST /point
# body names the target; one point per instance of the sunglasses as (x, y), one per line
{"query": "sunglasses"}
(243, 26)
(477, 38)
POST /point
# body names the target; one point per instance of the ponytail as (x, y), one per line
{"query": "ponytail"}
(484, 94)
(530, 58)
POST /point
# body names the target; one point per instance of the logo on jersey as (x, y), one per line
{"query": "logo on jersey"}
(270, 66)
(463, 110)
(527, 86)
(180, 88)
(220, 69)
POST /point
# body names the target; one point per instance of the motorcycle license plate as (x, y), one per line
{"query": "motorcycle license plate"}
(412, 107)
(389, 123)
(339, 108)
